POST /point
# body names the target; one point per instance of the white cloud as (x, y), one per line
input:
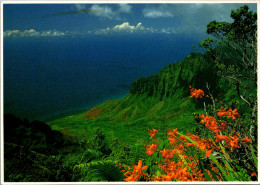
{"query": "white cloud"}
(125, 8)
(127, 28)
(52, 33)
(123, 28)
(33, 33)
(192, 17)
(104, 11)
(156, 12)
(9, 33)
(80, 7)
(169, 31)
(18, 33)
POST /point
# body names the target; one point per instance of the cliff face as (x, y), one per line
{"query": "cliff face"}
(163, 94)
(193, 70)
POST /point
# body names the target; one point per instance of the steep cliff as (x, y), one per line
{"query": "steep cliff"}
(194, 70)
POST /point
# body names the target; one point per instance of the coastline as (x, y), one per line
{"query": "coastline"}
(80, 109)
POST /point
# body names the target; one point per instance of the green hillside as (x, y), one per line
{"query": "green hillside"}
(160, 101)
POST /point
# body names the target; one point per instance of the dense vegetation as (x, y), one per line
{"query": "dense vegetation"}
(158, 132)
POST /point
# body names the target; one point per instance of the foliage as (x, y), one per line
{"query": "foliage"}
(234, 52)
(99, 171)
(190, 157)
(24, 165)
(25, 161)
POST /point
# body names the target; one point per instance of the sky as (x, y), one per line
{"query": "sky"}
(41, 20)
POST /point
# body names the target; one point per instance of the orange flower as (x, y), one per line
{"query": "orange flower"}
(136, 173)
(221, 138)
(150, 152)
(133, 177)
(231, 113)
(183, 138)
(220, 114)
(211, 123)
(156, 179)
(173, 132)
(172, 140)
(192, 164)
(153, 132)
(166, 177)
(181, 146)
(253, 174)
(167, 154)
(247, 140)
(139, 167)
(193, 137)
(209, 152)
(150, 149)
(196, 93)
(183, 175)
(190, 144)
(233, 143)
(179, 149)
(184, 171)
(202, 146)
(206, 119)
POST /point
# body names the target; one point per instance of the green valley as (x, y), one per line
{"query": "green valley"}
(158, 101)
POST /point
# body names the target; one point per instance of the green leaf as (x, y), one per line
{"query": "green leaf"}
(223, 171)
(158, 173)
(204, 171)
(212, 173)
(254, 157)
(103, 171)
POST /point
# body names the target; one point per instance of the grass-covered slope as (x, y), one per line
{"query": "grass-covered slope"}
(160, 101)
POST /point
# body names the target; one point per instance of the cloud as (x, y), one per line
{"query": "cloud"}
(107, 12)
(34, 33)
(191, 17)
(102, 11)
(156, 12)
(18, 33)
(76, 9)
(125, 27)
(125, 8)
(192, 11)
(52, 33)
(80, 7)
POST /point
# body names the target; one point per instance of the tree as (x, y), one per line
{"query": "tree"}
(233, 49)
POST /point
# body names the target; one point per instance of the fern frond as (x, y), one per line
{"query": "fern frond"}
(103, 171)
(90, 154)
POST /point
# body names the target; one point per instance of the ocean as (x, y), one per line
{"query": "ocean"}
(48, 77)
